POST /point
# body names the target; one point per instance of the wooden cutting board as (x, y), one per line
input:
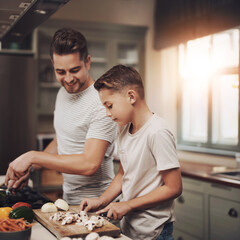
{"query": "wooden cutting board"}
(73, 230)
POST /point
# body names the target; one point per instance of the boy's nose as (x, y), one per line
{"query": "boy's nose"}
(108, 113)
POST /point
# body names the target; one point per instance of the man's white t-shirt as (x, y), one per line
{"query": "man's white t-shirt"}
(78, 117)
(143, 156)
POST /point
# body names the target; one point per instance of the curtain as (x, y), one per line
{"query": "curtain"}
(177, 21)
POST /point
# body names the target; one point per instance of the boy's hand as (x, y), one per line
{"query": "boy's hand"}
(88, 204)
(116, 210)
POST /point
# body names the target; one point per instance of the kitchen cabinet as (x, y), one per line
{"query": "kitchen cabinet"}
(207, 211)
(189, 209)
(224, 212)
(108, 45)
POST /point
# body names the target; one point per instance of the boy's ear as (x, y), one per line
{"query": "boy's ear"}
(132, 96)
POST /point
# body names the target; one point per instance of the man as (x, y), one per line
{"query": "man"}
(83, 147)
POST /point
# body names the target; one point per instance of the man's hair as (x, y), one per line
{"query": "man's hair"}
(68, 41)
(118, 78)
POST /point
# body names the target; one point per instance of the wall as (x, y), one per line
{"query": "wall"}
(160, 66)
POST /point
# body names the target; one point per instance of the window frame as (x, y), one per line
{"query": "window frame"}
(208, 146)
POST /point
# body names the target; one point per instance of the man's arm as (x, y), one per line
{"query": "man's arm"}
(51, 148)
(86, 163)
(19, 180)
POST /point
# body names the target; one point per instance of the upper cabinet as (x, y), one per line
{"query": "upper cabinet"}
(108, 45)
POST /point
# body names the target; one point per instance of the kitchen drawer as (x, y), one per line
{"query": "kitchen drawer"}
(189, 213)
(224, 219)
(223, 191)
(51, 178)
(180, 235)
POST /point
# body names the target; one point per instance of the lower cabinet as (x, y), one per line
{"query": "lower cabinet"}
(207, 211)
(189, 213)
(224, 219)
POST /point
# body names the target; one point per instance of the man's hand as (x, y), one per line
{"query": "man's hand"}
(18, 170)
(116, 210)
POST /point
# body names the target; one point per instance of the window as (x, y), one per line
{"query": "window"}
(208, 117)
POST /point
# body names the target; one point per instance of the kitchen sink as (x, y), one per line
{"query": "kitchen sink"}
(233, 174)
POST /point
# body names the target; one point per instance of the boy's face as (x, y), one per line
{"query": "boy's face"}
(118, 105)
(71, 72)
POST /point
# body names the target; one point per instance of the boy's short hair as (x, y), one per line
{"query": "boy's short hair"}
(118, 78)
(68, 41)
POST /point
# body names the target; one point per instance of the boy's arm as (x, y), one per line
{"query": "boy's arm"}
(171, 189)
(113, 191)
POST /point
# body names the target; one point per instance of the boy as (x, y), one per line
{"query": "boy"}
(149, 177)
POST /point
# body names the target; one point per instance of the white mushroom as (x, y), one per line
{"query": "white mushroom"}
(67, 220)
(106, 238)
(90, 225)
(80, 222)
(83, 214)
(99, 220)
(92, 236)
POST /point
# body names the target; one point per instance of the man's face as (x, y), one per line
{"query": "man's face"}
(71, 72)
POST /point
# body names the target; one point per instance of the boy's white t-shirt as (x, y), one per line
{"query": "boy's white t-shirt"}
(143, 156)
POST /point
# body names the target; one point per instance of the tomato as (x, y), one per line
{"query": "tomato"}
(4, 212)
(19, 204)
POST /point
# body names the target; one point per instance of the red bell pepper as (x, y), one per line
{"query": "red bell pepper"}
(19, 204)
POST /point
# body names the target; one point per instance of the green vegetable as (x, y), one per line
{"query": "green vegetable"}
(22, 212)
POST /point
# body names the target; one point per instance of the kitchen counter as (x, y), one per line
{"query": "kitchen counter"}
(204, 172)
(39, 232)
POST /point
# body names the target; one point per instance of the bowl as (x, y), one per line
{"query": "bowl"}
(19, 235)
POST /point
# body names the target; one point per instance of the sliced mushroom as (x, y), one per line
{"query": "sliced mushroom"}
(90, 225)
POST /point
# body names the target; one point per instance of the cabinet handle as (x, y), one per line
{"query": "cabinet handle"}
(181, 200)
(233, 213)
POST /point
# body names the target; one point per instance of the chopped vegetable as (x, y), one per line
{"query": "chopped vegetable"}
(19, 204)
(61, 204)
(13, 225)
(22, 212)
(4, 212)
(49, 207)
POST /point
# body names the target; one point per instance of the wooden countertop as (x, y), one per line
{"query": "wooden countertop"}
(204, 172)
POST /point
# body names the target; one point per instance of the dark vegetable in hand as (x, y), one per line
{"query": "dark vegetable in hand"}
(22, 212)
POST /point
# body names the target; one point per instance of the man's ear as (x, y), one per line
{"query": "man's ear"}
(88, 62)
(132, 96)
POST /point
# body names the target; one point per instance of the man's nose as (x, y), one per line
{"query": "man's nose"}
(68, 77)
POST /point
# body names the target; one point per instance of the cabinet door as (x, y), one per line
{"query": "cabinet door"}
(180, 235)
(224, 219)
(189, 213)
